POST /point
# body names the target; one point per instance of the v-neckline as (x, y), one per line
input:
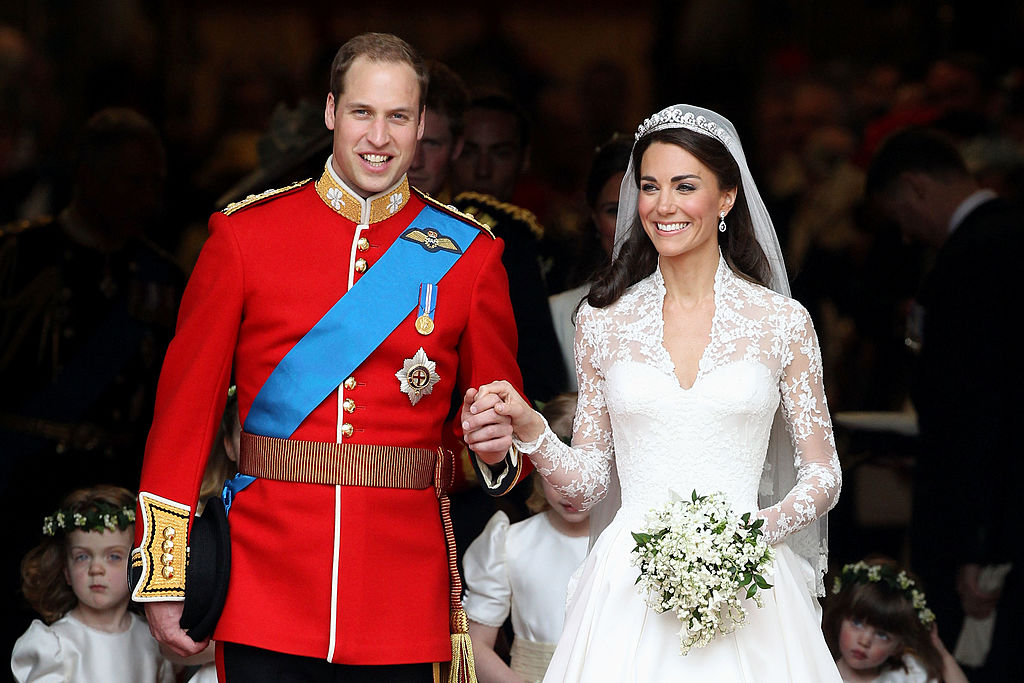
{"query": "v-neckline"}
(669, 363)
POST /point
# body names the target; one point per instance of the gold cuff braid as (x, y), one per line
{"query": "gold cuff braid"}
(162, 553)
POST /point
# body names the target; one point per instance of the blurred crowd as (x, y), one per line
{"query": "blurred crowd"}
(105, 188)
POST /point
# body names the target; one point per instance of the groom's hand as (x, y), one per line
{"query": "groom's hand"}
(485, 412)
(164, 619)
(486, 432)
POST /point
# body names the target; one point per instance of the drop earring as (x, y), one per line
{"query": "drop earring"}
(721, 222)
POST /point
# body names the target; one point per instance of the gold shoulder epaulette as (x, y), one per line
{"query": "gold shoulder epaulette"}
(254, 199)
(517, 213)
(452, 211)
(24, 224)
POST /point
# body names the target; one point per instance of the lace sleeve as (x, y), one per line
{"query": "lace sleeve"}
(581, 472)
(818, 476)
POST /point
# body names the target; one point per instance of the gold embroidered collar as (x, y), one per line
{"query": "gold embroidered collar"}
(344, 201)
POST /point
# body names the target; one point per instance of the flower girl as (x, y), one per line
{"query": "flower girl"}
(880, 629)
(524, 569)
(76, 579)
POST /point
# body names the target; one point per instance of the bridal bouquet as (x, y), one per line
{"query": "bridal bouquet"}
(696, 557)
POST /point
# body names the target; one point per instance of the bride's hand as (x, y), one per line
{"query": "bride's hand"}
(491, 414)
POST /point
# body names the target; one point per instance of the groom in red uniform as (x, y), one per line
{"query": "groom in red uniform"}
(349, 310)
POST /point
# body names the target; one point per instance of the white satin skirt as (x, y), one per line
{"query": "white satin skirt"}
(611, 635)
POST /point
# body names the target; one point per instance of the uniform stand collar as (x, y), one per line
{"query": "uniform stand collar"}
(342, 200)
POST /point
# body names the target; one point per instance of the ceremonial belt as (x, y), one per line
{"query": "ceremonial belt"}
(344, 464)
(393, 467)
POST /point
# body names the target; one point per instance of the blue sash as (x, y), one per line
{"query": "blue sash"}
(357, 324)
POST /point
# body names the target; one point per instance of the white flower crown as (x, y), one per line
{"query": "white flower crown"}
(862, 572)
(99, 516)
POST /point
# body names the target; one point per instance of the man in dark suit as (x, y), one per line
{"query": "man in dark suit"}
(495, 154)
(966, 384)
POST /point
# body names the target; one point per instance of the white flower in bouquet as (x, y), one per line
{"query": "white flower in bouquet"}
(696, 557)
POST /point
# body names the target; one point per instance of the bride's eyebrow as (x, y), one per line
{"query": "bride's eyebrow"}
(674, 179)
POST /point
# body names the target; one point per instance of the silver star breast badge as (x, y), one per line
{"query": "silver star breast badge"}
(418, 376)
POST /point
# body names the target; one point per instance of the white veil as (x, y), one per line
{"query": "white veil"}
(779, 474)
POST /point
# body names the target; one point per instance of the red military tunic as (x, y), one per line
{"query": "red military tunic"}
(355, 575)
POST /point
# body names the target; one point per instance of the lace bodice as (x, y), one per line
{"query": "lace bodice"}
(713, 436)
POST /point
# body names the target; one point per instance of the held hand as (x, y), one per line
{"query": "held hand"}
(164, 623)
(486, 432)
(491, 414)
(976, 603)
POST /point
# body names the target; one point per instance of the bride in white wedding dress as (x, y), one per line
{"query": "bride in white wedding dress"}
(686, 359)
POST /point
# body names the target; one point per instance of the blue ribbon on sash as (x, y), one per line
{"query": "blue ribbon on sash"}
(356, 325)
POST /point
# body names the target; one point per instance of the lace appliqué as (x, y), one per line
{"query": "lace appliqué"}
(762, 354)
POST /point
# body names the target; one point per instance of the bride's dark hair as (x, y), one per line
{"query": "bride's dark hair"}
(638, 258)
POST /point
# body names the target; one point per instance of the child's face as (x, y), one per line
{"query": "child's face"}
(97, 567)
(865, 647)
(561, 506)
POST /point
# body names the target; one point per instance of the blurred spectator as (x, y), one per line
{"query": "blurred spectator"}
(442, 137)
(602, 197)
(966, 478)
(27, 121)
(495, 152)
(87, 308)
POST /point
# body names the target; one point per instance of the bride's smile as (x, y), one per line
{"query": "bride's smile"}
(680, 201)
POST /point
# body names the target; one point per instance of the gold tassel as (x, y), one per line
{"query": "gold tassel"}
(463, 666)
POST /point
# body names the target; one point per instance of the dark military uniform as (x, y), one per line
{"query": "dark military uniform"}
(82, 335)
(539, 357)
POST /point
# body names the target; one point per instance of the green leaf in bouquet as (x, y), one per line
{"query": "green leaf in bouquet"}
(751, 591)
(761, 583)
(757, 524)
(694, 496)
(744, 578)
(641, 539)
(745, 517)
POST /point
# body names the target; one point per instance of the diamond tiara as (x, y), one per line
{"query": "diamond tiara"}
(672, 118)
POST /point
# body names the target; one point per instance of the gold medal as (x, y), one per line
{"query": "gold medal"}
(428, 302)
(424, 325)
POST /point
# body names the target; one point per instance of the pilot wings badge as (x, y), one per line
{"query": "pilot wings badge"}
(431, 240)
(418, 376)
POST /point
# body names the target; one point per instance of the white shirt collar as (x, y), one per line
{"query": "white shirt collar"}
(973, 201)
